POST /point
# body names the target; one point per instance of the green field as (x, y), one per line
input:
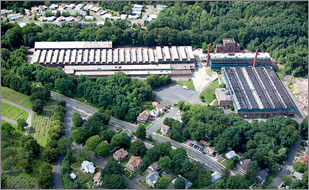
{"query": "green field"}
(19, 180)
(209, 92)
(40, 125)
(12, 112)
(189, 84)
(215, 103)
(209, 72)
(15, 97)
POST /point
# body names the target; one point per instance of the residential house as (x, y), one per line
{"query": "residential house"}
(89, 18)
(133, 17)
(230, 154)
(73, 176)
(108, 16)
(153, 17)
(100, 11)
(153, 167)
(71, 6)
(165, 129)
(61, 18)
(137, 12)
(78, 18)
(245, 166)
(155, 12)
(188, 183)
(62, 7)
(95, 9)
(42, 19)
(126, 131)
(34, 9)
(27, 11)
(97, 179)
(298, 175)
(154, 113)
(159, 107)
(142, 117)
(303, 159)
(115, 18)
(103, 12)
(149, 19)
(74, 12)
(261, 176)
(210, 150)
(152, 178)
(88, 6)
(42, 7)
(79, 6)
(51, 19)
(178, 117)
(120, 155)
(216, 176)
(53, 6)
(4, 11)
(160, 7)
(70, 18)
(88, 167)
(137, 6)
(123, 17)
(135, 163)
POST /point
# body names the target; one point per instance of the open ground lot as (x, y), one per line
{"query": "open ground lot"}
(172, 93)
(15, 97)
(12, 112)
(209, 91)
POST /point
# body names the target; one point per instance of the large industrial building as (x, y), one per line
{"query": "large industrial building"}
(257, 92)
(102, 59)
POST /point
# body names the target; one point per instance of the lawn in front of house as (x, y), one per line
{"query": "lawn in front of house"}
(209, 92)
(13, 112)
(134, 175)
(125, 161)
(40, 125)
(189, 84)
(15, 97)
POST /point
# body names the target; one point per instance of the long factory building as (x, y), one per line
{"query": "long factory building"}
(257, 92)
(101, 59)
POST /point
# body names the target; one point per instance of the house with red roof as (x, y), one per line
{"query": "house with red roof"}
(303, 159)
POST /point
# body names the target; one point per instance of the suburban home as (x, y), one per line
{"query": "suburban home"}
(78, 18)
(123, 17)
(153, 167)
(230, 154)
(245, 166)
(149, 19)
(142, 117)
(88, 6)
(115, 18)
(216, 176)
(62, 7)
(51, 19)
(210, 150)
(188, 183)
(73, 12)
(61, 18)
(303, 159)
(89, 18)
(88, 167)
(70, 18)
(127, 132)
(53, 6)
(71, 6)
(154, 113)
(158, 106)
(261, 176)
(153, 17)
(108, 16)
(165, 129)
(160, 7)
(97, 179)
(42, 18)
(152, 178)
(298, 175)
(137, 6)
(95, 9)
(79, 6)
(133, 17)
(73, 176)
(156, 12)
(135, 163)
(120, 155)
(27, 11)
(42, 7)
(34, 9)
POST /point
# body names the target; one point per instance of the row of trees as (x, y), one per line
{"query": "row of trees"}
(156, 80)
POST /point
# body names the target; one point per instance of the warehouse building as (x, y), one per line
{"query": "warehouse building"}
(257, 92)
(218, 60)
(101, 59)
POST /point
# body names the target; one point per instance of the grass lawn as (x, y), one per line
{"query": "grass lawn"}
(127, 173)
(109, 160)
(134, 175)
(215, 103)
(220, 160)
(15, 97)
(209, 72)
(19, 180)
(125, 161)
(40, 125)
(271, 176)
(50, 102)
(209, 92)
(189, 84)
(12, 112)
(224, 163)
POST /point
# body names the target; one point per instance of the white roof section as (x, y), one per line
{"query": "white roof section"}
(61, 56)
(55, 56)
(72, 45)
(128, 56)
(91, 56)
(145, 55)
(43, 55)
(85, 55)
(175, 53)
(215, 176)
(121, 56)
(159, 53)
(103, 56)
(133, 55)
(98, 56)
(110, 56)
(116, 54)
(73, 176)
(182, 52)
(88, 167)
(230, 154)
(151, 55)
(80, 56)
(73, 56)
(139, 55)
(36, 56)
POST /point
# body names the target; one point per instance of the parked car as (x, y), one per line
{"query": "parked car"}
(190, 144)
(289, 172)
(153, 144)
(204, 152)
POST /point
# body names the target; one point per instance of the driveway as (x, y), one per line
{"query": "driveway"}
(30, 112)
(99, 160)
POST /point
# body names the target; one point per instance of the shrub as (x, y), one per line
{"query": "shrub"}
(202, 97)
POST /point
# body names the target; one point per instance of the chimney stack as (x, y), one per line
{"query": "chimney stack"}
(207, 63)
(256, 52)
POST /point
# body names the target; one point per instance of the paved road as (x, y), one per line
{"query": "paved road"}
(289, 164)
(198, 155)
(30, 112)
(57, 184)
(9, 120)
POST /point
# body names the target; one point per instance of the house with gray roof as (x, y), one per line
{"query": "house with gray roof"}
(152, 178)
(262, 176)
(216, 176)
(188, 183)
(127, 132)
(298, 175)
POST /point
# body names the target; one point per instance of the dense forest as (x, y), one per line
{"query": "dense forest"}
(279, 28)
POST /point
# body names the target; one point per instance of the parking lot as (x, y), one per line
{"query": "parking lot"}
(172, 93)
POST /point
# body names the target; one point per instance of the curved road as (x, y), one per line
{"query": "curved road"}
(198, 155)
